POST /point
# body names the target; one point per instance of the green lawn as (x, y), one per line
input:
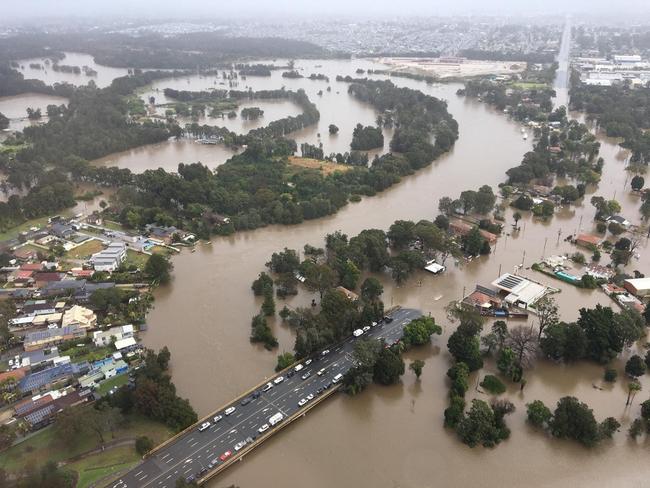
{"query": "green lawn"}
(136, 258)
(45, 445)
(85, 250)
(101, 465)
(109, 224)
(14, 231)
(118, 380)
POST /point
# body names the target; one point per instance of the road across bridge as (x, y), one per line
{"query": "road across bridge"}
(201, 454)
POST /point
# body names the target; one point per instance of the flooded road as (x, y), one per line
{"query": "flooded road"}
(393, 437)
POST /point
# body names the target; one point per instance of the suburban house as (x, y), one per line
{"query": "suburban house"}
(110, 258)
(162, 233)
(80, 316)
(103, 338)
(484, 299)
(639, 287)
(587, 240)
(461, 229)
(126, 344)
(619, 220)
(52, 337)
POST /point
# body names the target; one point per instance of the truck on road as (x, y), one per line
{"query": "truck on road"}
(276, 419)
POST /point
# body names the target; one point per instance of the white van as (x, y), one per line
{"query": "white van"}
(298, 368)
(276, 419)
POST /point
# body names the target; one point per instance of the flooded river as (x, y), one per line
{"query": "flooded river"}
(390, 437)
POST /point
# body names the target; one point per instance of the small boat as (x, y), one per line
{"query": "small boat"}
(525, 136)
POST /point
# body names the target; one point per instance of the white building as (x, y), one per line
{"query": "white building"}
(521, 292)
(110, 258)
(103, 338)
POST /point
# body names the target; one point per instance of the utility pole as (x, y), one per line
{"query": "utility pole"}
(559, 232)
(522, 259)
(544, 250)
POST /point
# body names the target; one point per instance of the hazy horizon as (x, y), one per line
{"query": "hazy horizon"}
(274, 9)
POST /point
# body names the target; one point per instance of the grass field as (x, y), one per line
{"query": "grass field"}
(324, 167)
(46, 445)
(136, 258)
(97, 467)
(118, 381)
(85, 250)
(14, 231)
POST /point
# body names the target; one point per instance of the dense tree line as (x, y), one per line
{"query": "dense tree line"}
(195, 96)
(621, 110)
(599, 335)
(255, 187)
(154, 395)
(158, 51)
(365, 138)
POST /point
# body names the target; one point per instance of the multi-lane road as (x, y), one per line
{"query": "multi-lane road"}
(195, 452)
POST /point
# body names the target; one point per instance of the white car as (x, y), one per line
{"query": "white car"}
(310, 397)
(229, 410)
(308, 362)
(217, 418)
(374, 324)
(239, 445)
(298, 368)
(321, 372)
(204, 426)
(357, 333)
(366, 328)
(264, 428)
(268, 386)
(278, 380)
(325, 352)
(302, 402)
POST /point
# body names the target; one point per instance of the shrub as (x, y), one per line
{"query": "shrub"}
(538, 414)
(610, 375)
(493, 384)
(143, 445)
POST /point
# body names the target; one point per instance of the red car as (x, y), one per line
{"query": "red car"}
(225, 455)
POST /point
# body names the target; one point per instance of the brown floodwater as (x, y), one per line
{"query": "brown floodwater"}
(393, 436)
(388, 437)
(105, 74)
(15, 108)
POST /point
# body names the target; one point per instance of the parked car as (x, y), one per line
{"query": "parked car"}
(267, 387)
(321, 372)
(298, 368)
(325, 352)
(239, 445)
(310, 397)
(357, 333)
(230, 410)
(306, 375)
(388, 319)
(302, 402)
(264, 428)
(225, 455)
(366, 328)
(204, 426)
(217, 418)
(256, 395)
(246, 400)
(308, 362)
(278, 380)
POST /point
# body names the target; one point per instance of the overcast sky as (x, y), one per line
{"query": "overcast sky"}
(214, 9)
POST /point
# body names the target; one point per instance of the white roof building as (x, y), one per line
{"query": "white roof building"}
(124, 343)
(520, 291)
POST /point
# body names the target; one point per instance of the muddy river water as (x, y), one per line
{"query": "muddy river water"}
(389, 436)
